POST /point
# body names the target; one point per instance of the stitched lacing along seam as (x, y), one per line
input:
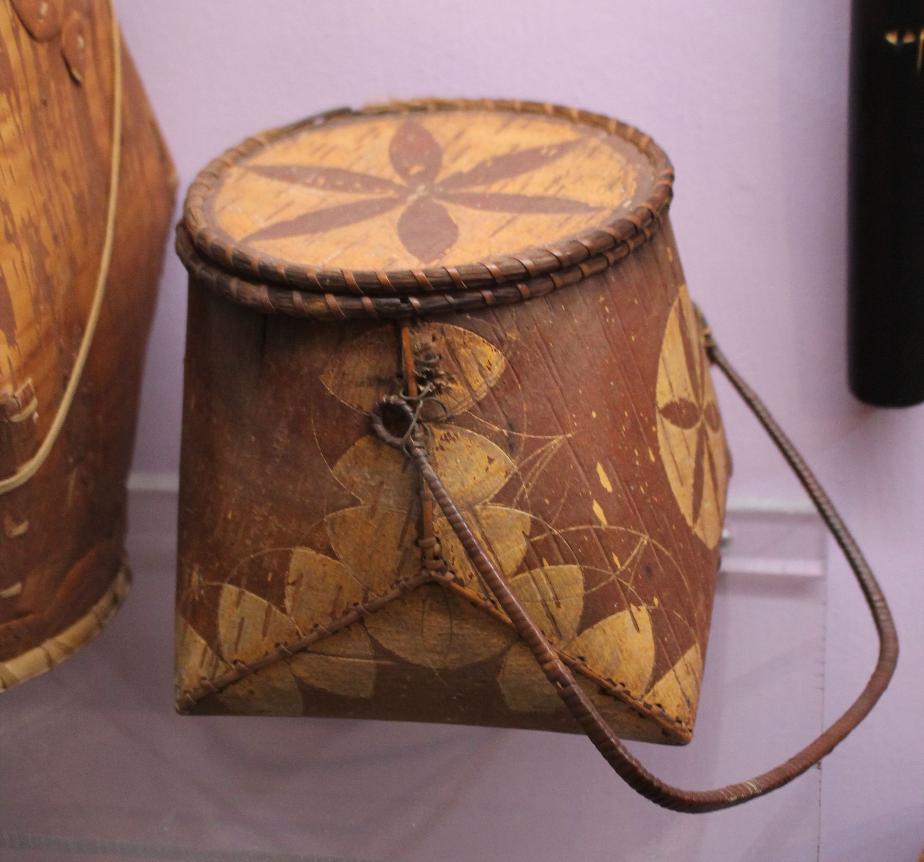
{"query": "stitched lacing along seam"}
(189, 697)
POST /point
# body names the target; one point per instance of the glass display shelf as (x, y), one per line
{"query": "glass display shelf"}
(95, 764)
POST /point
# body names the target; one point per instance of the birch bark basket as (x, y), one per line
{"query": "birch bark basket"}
(87, 195)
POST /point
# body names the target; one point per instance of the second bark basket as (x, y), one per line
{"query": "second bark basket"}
(451, 450)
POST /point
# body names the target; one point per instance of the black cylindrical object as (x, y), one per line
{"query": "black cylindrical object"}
(886, 302)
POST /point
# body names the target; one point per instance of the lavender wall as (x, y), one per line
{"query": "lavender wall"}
(749, 99)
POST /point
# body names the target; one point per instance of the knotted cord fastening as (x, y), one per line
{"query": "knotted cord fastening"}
(402, 404)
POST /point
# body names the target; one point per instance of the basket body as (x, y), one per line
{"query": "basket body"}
(62, 571)
(577, 430)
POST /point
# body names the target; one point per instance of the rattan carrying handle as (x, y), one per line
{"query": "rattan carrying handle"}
(580, 705)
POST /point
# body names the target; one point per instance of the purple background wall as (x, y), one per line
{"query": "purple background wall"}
(749, 98)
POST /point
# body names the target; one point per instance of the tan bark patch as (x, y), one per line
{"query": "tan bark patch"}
(377, 545)
(553, 597)
(525, 688)
(471, 366)
(379, 474)
(501, 531)
(677, 692)
(471, 467)
(196, 660)
(319, 589)
(250, 627)
(435, 628)
(620, 648)
(342, 664)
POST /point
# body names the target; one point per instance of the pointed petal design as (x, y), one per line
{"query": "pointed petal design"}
(677, 692)
(342, 664)
(249, 627)
(319, 589)
(690, 352)
(325, 219)
(415, 154)
(525, 688)
(426, 229)
(433, 627)
(507, 166)
(681, 412)
(620, 648)
(327, 179)
(472, 468)
(501, 531)
(354, 533)
(553, 597)
(471, 364)
(699, 472)
(512, 203)
(196, 660)
(378, 475)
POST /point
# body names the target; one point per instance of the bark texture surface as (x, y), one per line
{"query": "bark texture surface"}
(61, 561)
(577, 430)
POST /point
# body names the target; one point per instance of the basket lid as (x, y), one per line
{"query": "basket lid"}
(419, 196)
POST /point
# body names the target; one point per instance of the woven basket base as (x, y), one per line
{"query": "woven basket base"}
(57, 648)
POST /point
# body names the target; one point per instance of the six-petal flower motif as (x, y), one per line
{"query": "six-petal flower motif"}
(425, 226)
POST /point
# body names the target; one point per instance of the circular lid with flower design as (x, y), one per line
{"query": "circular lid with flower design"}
(426, 195)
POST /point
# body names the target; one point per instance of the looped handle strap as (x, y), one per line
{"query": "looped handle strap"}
(28, 469)
(580, 705)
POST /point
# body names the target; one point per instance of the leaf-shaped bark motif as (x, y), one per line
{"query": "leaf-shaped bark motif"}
(525, 688)
(376, 544)
(620, 648)
(319, 589)
(690, 437)
(553, 597)
(342, 664)
(677, 692)
(426, 229)
(378, 474)
(415, 154)
(250, 627)
(472, 468)
(196, 661)
(369, 374)
(433, 627)
(501, 531)
(329, 179)
(325, 219)
(272, 690)
(471, 365)
(506, 166)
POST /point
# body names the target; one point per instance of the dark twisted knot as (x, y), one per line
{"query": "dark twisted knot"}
(400, 405)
